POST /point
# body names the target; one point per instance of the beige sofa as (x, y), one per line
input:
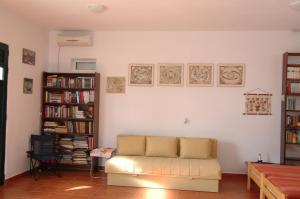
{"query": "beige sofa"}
(165, 162)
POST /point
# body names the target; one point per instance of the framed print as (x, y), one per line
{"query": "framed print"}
(200, 74)
(115, 84)
(141, 75)
(28, 57)
(170, 74)
(231, 75)
(27, 86)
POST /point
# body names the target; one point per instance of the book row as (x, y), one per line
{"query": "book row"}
(291, 103)
(293, 73)
(73, 112)
(82, 97)
(293, 88)
(293, 137)
(292, 121)
(70, 82)
(70, 127)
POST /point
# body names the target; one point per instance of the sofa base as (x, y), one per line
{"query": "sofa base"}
(150, 181)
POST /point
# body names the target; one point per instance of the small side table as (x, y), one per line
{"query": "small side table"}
(102, 152)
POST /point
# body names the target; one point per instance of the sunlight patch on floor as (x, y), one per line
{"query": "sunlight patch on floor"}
(155, 193)
(78, 188)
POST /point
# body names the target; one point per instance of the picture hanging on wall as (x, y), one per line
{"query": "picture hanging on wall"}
(258, 103)
(115, 84)
(28, 57)
(27, 86)
(170, 74)
(231, 75)
(141, 75)
(200, 75)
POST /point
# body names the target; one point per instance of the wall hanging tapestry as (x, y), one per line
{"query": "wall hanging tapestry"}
(258, 102)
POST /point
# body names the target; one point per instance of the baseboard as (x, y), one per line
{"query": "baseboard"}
(234, 174)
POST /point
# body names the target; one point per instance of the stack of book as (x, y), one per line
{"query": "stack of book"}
(80, 112)
(49, 127)
(53, 97)
(80, 148)
(67, 150)
(61, 129)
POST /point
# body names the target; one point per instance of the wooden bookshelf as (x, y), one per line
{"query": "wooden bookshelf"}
(70, 110)
(290, 109)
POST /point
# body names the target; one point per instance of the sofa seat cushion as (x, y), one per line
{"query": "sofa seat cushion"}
(162, 166)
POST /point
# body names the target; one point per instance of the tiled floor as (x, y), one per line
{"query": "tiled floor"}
(78, 185)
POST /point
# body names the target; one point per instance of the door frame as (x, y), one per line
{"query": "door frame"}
(3, 104)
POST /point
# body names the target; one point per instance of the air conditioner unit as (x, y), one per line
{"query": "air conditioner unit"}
(74, 38)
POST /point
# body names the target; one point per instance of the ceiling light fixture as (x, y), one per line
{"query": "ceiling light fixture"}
(96, 8)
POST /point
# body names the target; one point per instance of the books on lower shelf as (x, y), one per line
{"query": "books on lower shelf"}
(69, 82)
(293, 137)
(75, 150)
(82, 97)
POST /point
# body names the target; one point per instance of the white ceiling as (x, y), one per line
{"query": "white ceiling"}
(159, 14)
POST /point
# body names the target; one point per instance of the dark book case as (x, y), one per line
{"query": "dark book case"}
(290, 110)
(70, 110)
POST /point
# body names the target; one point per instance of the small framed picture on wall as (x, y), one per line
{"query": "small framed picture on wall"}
(28, 57)
(141, 75)
(200, 74)
(231, 75)
(170, 74)
(27, 86)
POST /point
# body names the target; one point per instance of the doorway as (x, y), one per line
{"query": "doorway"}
(3, 104)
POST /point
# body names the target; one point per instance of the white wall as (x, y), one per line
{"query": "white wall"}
(213, 112)
(22, 109)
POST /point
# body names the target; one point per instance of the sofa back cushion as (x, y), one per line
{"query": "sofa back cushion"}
(200, 148)
(161, 146)
(131, 145)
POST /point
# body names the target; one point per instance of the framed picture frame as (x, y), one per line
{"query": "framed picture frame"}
(27, 86)
(170, 74)
(141, 74)
(28, 57)
(231, 75)
(200, 74)
(115, 84)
